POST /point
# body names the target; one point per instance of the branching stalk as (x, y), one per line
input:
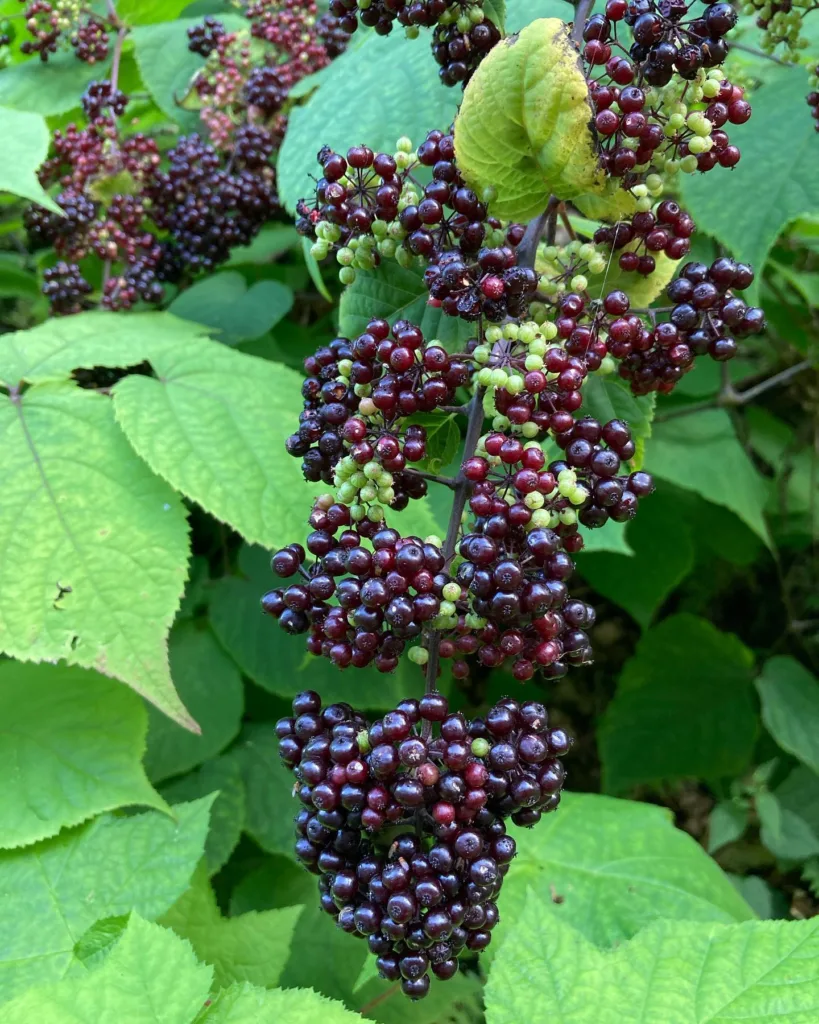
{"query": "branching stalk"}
(461, 490)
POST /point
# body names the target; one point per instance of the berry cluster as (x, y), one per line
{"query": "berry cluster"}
(385, 596)
(645, 234)
(369, 206)
(403, 820)
(781, 23)
(356, 399)
(661, 103)
(462, 32)
(52, 22)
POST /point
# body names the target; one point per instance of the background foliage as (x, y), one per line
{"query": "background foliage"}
(145, 832)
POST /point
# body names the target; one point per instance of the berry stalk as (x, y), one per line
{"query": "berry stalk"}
(461, 494)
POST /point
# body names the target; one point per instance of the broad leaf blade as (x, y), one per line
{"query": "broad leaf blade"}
(25, 146)
(72, 741)
(103, 526)
(790, 708)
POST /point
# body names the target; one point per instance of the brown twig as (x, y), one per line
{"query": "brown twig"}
(527, 250)
(582, 10)
(759, 53)
(445, 481)
(730, 398)
(379, 999)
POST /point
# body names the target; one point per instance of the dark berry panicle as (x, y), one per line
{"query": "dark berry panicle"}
(403, 820)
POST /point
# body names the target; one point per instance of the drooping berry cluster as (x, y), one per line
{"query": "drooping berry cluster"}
(781, 22)
(645, 234)
(462, 32)
(385, 596)
(369, 206)
(404, 820)
(55, 22)
(357, 398)
(186, 217)
(660, 102)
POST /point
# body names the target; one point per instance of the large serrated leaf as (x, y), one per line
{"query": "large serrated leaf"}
(72, 741)
(684, 708)
(673, 972)
(150, 977)
(25, 145)
(612, 866)
(96, 547)
(251, 947)
(213, 425)
(790, 708)
(245, 1004)
(51, 893)
(395, 293)
(523, 127)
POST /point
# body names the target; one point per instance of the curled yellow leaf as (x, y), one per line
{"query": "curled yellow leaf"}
(524, 127)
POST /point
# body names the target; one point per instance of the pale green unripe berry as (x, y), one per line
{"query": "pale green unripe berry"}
(527, 333)
(597, 265)
(514, 384)
(375, 514)
(688, 164)
(372, 470)
(538, 347)
(481, 354)
(346, 275)
(493, 335)
(358, 479)
(404, 145)
(480, 747)
(533, 362)
(499, 377)
(500, 422)
(548, 330)
(447, 609)
(485, 377)
(368, 493)
(451, 592)
(579, 283)
(567, 516)
(387, 248)
(696, 145)
(367, 407)
(357, 513)
(386, 495)
(380, 228)
(396, 231)
(534, 500)
(654, 184)
(644, 205)
(319, 250)
(324, 501)
(579, 495)
(510, 332)
(529, 429)
(346, 493)
(345, 367)
(418, 655)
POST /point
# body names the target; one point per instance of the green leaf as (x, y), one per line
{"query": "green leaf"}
(243, 1004)
(527, 135)
(701, 453)
(50, 88)
(51, 893)
(314, 270)
(778, 168)
(144, 12)
(684, 707)
(268, 790)
(211, 687)
(212, 423)
(80, 511)
(150, 977)
(790, 708)
(167, 65)
(253, 947)
(227, 816)
(611, 538)
(72, 741)
(394, 293)
(612, 866)
(519, 13)
(726, 823)
(278, 662)
(25, 146)
(270, 243)
(15, 281)
(783, 831)
(641, 584)
(800, 793)
(674, 972)
(609, 398)
(388, 101)
(224, 303)
(443, 439)
(94, 945)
